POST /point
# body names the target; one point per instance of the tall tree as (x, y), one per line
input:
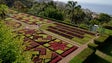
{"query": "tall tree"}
(71, 6)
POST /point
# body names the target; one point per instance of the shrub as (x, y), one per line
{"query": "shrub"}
(84, 26)
(92, 46)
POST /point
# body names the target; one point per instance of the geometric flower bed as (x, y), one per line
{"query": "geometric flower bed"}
(60, 47)
(45, 48)
(29, 19)
(41, 38)
(12, 23)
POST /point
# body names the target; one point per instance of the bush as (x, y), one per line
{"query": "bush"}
(92, 46)
(108, 27)
(80, 58)
(84, 26)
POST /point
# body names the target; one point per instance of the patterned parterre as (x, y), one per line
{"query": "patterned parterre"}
(47, 48)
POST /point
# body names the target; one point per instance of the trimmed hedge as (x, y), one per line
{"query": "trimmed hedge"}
(81, 57)
(101, 39)
(92, 46)
(108, 27)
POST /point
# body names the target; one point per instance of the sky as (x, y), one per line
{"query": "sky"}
(105, 2)
(99, 6)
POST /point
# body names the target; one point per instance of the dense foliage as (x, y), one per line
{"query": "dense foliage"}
(70, 13)
(11, 48)
(3, 11)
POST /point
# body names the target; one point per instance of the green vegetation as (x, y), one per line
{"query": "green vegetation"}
(84, 40)
(103, 54)
(104, 17)
(93, 46)
(11, 48)
(3, 11)
(80, 58)
(45, 26)
(101, 39)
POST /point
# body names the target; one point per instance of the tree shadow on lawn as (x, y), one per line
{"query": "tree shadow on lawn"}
(96, 59)
(107, 49)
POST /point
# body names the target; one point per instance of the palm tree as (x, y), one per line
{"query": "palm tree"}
(73, 9)
(3, 11)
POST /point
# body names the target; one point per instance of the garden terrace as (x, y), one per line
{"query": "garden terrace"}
(78, 29)
(66, 32)
(44, 47)
(50, 51)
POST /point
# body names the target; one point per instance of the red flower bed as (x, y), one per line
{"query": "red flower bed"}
(67, 32)
(81, 30)
(69, 51)
(72, 30)
(37, 59)
(54, 55)
(60, 33)
(58, 46)
(42, 51)
(56, 59)
(32, 44)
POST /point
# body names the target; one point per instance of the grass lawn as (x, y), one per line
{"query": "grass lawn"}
(84, 40)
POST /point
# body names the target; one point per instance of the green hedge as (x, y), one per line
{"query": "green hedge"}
(108, 27)
(92, 46)
(81, 57)
(101, 39)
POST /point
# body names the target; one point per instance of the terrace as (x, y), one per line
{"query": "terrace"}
(52, 42)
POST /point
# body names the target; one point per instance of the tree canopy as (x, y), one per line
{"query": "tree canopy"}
(3, 10)
(104, 17)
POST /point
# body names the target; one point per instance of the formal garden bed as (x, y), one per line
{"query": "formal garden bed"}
(29, 19)
(12, 23)
(47, 48)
